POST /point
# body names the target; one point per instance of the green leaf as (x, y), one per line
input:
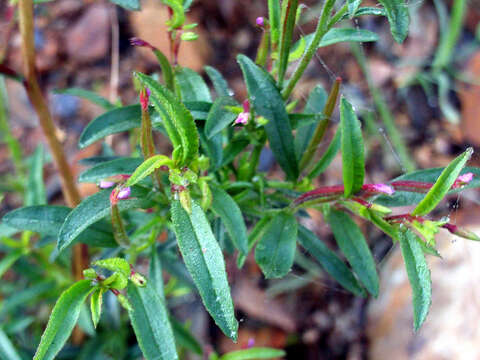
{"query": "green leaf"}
(91, 210)
(198, 109)
(274, 14)
(253, 354)
(213, 148)
(146, 168)
(418, 274)
(397, 14)
(219, 83)
(35, 191)
(155, 275)
(353, 6)
(9, 259)
(124, 165)
(219, 117)
(111, 122)
(353, 159)
(115, 264)
(329, 261)
(268, 103)
(62, 320)
(275, 251)
(337, 35)
(185, 338)
(204, 261)
(177, 120)
(315, 104)
(192, 86)
(128, 4)
(88, 95)
(443, 184)
(289, 12)
(48, 219)
(178, 14)
(351, 242)
(166, 67)
(367, 11)
(328, 156)
(96, 305)
(149, 320)
(224, 206)
(7, 350)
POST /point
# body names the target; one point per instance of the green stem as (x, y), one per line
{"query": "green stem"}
(119, 232)
(274, 20)
(262, 51)
(321, 30)
(321, 127)
(449, 36)
(289, 13)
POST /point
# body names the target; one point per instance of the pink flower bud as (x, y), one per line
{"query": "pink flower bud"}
(260, 21)
(106, 184)
(463, 179)
(242, 118)
(379, 188)
(124, 193)
(250, 343)
(246, 106)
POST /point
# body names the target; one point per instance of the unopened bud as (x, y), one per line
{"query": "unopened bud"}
(138, 279)
(242, 118)
(464, 233)
(106, 184)
(260, 21)
(134, 41)
(379, 188)
(144, 97)
(463, 179)
(124, 193)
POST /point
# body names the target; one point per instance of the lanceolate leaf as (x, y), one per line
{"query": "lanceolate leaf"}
(91, 210)
(253, 237)
(337, 35)
(397, 14)
(7, 350)
(48, 219)
(150, 322)
(353, 162)
(35, 191)
(146, 168)
(111, 122)
(204, 261)
(354, 246)
(109, 168)
(328, 156)
(88, 95)
(219, 117)
(225, 207)
(62, 320)
(443, 184)
(329, 261)
(96, 305)
(275, 251)
(192, 86)
(177, 120)
(267, 102)
(219, 82)
(353, 6)
(254, 354)
(418, 274)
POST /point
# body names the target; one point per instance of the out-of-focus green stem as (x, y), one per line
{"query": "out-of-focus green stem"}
(385, 113)
(262, 51)
(449, 36)
(274, 19)
(12, 143)
(321, 30)
(289, 13)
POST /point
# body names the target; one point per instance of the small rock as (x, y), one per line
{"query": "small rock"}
(88, 39)
(451, 329)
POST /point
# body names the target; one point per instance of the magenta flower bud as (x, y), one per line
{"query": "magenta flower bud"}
(250, 343)
(106, 184)
(379, 188)
(124, 193)
(260, 21)
(246, 106)
(463, 179)
(242, 118)
(134, 41)
(144, 97)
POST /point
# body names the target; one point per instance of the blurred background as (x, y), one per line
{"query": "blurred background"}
(419, 103)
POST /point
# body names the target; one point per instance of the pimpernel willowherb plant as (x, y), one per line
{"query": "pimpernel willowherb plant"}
(208, 196)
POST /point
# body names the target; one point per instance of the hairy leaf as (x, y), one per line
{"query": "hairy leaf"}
(397, 14)
(146, 168)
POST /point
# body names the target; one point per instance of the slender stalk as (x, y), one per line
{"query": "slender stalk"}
(289, 13)
(322, 28)
(274, 19)
(69, 188)
(321, 127)
(449, 36)
(262, 51)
